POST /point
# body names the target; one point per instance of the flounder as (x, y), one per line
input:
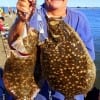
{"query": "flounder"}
(19, 70)
(66, 63)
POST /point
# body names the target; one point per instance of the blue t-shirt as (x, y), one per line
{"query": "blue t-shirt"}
(80, 24)
(75, 19)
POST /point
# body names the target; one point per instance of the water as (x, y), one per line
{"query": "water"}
(93, 15)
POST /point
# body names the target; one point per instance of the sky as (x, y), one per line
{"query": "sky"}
(71, 3)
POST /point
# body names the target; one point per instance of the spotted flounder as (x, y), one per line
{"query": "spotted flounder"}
(18, 72)
(65, 61)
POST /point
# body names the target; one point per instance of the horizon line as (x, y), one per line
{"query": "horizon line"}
(68, 6)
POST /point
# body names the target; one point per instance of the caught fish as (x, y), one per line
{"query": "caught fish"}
(66, 63)
(19, 68)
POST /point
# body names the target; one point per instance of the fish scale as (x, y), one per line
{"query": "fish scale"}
(18, 71)
(65, 61)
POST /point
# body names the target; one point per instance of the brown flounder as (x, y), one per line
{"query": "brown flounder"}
(65, 61)
(18, 72)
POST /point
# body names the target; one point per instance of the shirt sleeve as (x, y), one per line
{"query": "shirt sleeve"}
(84, 31)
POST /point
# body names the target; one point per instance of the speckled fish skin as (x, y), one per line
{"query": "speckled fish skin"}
(18, 72)
(66, 63)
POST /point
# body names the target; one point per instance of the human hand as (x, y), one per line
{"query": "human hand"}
(25, 8)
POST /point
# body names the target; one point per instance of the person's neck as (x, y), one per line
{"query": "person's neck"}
(56, 12)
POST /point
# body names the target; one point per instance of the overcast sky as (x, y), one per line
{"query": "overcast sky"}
(72, 3)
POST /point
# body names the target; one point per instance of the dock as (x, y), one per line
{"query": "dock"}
(4, 50)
